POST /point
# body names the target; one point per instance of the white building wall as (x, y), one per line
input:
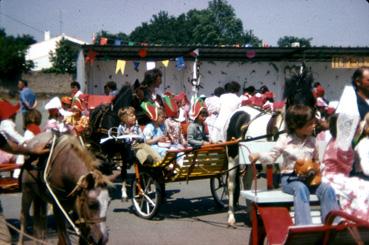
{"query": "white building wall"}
(217, 73)
(39, 52)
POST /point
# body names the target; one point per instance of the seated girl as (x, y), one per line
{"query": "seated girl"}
(297, 145)
(353, 192)
(129, 126)
(155, 132)
(196, 133)
(172, 125)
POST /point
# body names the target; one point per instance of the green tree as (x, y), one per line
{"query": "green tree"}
(111, 37)
(64, 58)
(12, 57)
(286, 41)
(215, 25)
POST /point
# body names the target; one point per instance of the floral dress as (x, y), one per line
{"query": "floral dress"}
(353, 192)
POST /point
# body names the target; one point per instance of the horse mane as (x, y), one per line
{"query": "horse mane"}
(298, 87)
(70, 142)
(123, 98)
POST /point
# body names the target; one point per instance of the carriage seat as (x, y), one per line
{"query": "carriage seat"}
(7, 182)
(206, 161)
(279, 229)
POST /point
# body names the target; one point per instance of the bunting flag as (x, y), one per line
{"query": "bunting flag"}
(165, 62)
(90, 58)
(117, 42)
(150, 65)
(136, 64)
(195, 52)
(121, 65)
(180, 64)
(103, 41)
(251, 54)
(142, 52)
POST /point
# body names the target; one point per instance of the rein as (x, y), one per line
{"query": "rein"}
(51, 191)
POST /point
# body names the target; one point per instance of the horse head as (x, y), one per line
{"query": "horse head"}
(92, 201)
(298, 87)
(123, 98)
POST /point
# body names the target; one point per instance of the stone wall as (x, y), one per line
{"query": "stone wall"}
(49, 83)
(43, 84)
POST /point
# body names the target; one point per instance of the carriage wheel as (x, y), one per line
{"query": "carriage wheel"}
(146, 196)
(219, 190)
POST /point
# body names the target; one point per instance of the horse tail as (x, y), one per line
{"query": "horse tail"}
(237, 128)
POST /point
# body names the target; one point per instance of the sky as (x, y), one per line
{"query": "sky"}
(329, 22)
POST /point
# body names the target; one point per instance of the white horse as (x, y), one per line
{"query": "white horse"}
(247, 122)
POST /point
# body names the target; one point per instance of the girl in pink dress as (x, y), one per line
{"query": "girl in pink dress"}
(353, 192)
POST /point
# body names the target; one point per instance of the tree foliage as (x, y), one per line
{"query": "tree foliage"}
(12, 57)
(215, 25)
(64, 58)
(286, 41)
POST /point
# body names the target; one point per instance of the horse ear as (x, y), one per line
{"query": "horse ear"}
(88, 181)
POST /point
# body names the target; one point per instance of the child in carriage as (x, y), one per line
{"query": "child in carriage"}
(155, 133)
(299, 145)
(196, 131)
(129, 126)
(172, 125)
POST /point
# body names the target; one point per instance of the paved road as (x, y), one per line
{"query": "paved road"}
(188, 217)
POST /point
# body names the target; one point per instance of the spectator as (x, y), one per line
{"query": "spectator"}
(213, 105)
(229, 102)
(27, 98)
(75, 90)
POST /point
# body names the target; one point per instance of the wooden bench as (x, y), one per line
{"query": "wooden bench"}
(266, 197)
(204, 162)
(8, 183)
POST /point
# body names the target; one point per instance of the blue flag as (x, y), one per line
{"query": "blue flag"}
(180, 64)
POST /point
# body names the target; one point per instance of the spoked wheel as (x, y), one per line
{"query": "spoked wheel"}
(146, 196)
(219, 190)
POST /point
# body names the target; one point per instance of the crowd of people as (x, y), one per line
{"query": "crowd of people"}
(157, 123)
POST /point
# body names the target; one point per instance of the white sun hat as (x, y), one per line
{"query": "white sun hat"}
(54, 103)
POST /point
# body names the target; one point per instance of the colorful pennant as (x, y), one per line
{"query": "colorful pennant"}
(150, 65)
(103, 41)
(121, 65)
(165, 62)
(136, 64)
(180, 64)
(90, 58)
(142, 52)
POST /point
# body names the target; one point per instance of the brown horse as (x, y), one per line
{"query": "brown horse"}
(77, 185)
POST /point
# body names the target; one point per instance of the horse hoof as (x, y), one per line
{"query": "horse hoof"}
(232, 226)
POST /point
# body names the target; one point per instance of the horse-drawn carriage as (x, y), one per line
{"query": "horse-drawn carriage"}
(206, 162)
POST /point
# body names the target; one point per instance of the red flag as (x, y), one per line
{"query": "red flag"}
(91, 55)
(103, 41)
